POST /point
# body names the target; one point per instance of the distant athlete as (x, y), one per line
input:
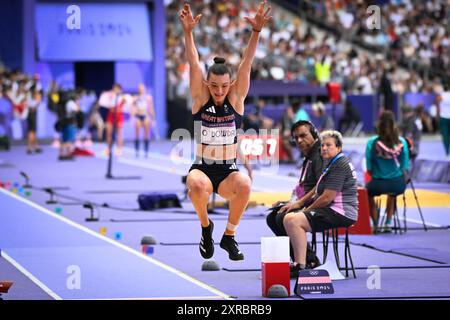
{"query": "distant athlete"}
(218, 106)
(144, 112)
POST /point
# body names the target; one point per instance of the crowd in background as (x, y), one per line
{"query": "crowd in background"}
(289, 50)
(80, 116)
(25, 94)
(415, 33)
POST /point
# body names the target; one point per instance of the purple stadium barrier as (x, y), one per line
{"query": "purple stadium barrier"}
(432, 171)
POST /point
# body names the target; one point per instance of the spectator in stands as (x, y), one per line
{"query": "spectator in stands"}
(88, 102)
(52, 104)
(350, 118)
(424, 117)
(385, 90)
(32, 104)
(18, 98)
(256, 120)
(301, 114)
(114, 101)
(387, 161)
(289, 44)
(306, 137)
(325, 121)
(334, 200)
(443, 103)
(35, 83)
(411, 129)
(285, 126)
(434, 117)
(96, 125)
(68, 125)
(322, 69)
(53, 96)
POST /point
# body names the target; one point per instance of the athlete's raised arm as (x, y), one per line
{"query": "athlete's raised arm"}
(242, 83)
(198, 88)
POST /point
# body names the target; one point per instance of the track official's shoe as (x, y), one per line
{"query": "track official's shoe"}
(294, 269)
(312, 262)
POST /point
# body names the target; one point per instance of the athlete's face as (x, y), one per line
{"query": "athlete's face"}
(329, 148)
(219, 85)
(303, 138)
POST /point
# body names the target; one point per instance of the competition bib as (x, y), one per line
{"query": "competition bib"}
(219, 134)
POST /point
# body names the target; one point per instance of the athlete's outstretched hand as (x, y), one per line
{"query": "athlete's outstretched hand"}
(261, 17)
(187, 19)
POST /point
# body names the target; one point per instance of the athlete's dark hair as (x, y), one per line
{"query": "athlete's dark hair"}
(387, 129)
(219, 68)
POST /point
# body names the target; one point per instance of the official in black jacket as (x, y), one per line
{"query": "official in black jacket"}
(305, 134)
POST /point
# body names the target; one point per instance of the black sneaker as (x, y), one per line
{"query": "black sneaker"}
(312, 262)
(231, 246)
(206, 245)
(294, 270)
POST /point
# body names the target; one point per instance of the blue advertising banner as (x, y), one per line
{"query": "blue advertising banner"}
(93, 32)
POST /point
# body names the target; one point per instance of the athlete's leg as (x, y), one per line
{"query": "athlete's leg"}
(236, 189)
(146, 134)
(119, 134)
(30, 141)
(390, 206)
(296, 225)
(199, 190)
(373, 210)
(138, 130)
(109, 130)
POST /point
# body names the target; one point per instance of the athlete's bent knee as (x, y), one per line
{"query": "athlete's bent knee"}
(197, 186)
(243, 186)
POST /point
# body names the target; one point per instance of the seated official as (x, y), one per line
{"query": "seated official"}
(387, 160)
(306, 137)
(335, 200)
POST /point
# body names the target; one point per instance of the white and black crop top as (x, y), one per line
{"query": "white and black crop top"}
(217, 125)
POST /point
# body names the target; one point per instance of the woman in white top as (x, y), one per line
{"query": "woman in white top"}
(144, 112)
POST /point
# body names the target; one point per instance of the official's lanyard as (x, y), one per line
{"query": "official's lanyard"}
(324, 172)
(304, 170)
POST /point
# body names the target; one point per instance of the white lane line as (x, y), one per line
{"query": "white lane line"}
(117, 244)
(420, 222)
(19, 267)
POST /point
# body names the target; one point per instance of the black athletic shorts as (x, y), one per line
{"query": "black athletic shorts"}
(321, 219)
(31, 121)
(216, 172)
(377, 187)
